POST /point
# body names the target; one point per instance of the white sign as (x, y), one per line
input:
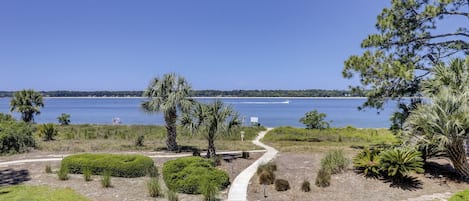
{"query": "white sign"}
(254, 119)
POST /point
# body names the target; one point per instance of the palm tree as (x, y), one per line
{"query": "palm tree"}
(168, 95)
(211, 120)
(28, 102)
(443, 123)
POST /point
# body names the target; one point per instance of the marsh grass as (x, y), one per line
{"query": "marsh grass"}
(171, 195)
(154, 189)
(87, 174)
(89, 138)
(106, 179)
(63, 173)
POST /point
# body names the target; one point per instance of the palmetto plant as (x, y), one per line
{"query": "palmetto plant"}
(368, 162)
(398, 162)
(27, 102)
(211, 120)
(168, 95)
(48, 131)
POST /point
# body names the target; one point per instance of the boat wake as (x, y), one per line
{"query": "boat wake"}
(260, 102)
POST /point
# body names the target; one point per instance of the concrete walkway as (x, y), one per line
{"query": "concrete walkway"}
(239, 187)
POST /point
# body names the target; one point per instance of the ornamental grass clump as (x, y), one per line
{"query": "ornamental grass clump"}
(305, 186)
(209, 190)
(63, 173)
(281, 185)
(324, 178)
(335, 161)
(87, 174)
(266, 173)
(106, 179)
(48, 169)
(154, 189)
(171, 195)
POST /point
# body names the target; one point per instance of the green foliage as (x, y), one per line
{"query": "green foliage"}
(63, 173)
(39, 193)
(168, 95)
(368, 162)
(106, 179)
(140, 140)
(118, 165)
(171, 195)
(412, 37)
(460, 196)
(64, 119)
(209, 190)
(186, 174)
(87, 174)
(281, 185)
(314, 120)
(324, 178)
(154, 189)
(348, 134)
(6, 117)
(305, 186)
(48, 131)
(335, 161)
(211, 120)
(398, 162)
(268, 167)
(48, 169)
(27, 102)
(15, 137)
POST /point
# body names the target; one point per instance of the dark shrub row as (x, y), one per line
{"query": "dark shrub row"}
(186, 175)
(119, 165)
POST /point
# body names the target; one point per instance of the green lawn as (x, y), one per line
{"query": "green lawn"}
(39, 193)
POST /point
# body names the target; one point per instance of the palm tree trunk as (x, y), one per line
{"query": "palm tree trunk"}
(170, 119)
(457, 155)
(211, 151)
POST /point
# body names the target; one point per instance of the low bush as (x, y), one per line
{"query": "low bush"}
(87, 174)
(324, 178)
(186, 175)
(460, 196)
(209, 190)
(335, 161)
(281, 185)
(139, 140)
(15, 137)
(106, 179)
(119, 165)
(48, 169)
(398, 162)
(171, 195)
(305, 186)
(269, 167)
(63, 173)
(266, 177)
(367, 162)
(154, 189)
(48, 132)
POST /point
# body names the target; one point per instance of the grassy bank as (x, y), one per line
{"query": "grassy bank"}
(310, 140)
(89, 137)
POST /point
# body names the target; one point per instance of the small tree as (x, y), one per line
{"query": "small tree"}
(314, 120)
(28, 103)
(64, 119)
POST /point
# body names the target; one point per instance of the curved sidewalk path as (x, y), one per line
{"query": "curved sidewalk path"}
(239, 187)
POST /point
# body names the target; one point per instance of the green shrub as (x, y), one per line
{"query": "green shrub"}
(171, 195)
(335, 161)
(398, 162)
(324, 178)
(48, 132)
(269, 167)
(63, 173)
(139, 140)
(6, 117)
(87, 174)
(460, 196)
(314, 120)
(154, 189)
(186, 174)
(367, 162)
(106, 179)
(48, 169)
(15, 137)
(305, 186)
(209, 190)
(64, 119)
(281, 185)
(119, 165)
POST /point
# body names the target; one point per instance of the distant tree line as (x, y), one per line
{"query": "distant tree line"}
(205, 93)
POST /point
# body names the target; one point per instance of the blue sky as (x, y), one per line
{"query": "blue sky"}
(215, 44)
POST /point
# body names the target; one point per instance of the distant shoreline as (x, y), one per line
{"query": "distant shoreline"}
(205, 97)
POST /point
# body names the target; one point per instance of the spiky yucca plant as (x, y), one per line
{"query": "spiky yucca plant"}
(367, 162)
(398, 162)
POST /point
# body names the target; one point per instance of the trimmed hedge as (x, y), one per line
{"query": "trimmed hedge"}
(460, 196)
(119, 165)
(187, 174)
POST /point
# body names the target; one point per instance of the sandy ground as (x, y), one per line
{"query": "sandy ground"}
(347, 186)
(123, 189)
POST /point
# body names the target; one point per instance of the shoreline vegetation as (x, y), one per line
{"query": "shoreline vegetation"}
(206, 93)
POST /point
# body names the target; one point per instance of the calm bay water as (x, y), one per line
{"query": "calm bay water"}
(271, 112)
